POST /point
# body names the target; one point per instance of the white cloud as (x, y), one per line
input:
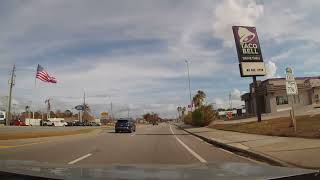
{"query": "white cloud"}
(271, 69)
(235, 94)
(234, 12)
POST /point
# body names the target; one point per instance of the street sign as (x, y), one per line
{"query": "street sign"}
(79, 107)
(229, 115)
(292, 88)
(291, 85)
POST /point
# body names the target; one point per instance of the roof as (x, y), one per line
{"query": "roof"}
(297, 78)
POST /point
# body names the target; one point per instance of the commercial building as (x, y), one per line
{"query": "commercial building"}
(272, 94)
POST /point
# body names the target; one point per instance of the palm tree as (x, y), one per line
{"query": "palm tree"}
(202, 96)
(198, 99)
(179, 109)
(183, 111)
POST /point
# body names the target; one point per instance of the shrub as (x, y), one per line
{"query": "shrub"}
(187, 119)
(203, 116)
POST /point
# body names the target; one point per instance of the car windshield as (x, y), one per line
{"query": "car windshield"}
(122, 121)
(160, 88)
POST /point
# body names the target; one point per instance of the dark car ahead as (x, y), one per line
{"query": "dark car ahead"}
(125, 125)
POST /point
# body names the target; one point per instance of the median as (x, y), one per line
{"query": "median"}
(25, 135)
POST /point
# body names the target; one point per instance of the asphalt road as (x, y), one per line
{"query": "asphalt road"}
(162, 144)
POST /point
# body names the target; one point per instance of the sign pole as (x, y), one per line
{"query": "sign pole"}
(293, 118)
(258, 112)
(292, 90)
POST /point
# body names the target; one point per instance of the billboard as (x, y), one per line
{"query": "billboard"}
(249, 51)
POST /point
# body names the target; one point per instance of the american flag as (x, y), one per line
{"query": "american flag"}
(44, 76)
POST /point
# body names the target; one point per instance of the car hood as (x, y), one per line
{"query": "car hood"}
(229, 170)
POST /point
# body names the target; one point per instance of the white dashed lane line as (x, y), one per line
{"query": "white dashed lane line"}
(79, 159)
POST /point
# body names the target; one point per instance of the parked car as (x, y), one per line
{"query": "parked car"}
(18, 123)
(70, 123)
(93, 124)
(58, 121)
(78, 123)
(2, 117)
(46, 123)
(125, 125)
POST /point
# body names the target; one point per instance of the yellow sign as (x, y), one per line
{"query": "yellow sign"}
(104, 114)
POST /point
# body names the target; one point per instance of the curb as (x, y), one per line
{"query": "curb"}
(241, 152)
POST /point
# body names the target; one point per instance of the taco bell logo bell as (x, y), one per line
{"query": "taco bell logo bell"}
(247, 41)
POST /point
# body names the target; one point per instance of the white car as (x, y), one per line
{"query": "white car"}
(47, 123)
(2, 117)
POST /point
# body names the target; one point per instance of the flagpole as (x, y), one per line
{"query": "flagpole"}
(35, 78)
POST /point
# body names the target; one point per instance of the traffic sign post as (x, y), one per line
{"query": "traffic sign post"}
(292, 90)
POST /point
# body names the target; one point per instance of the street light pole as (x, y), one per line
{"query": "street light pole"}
(189, 84)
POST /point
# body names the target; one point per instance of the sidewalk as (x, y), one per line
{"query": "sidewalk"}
(298, 152)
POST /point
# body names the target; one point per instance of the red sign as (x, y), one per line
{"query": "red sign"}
(229, 115)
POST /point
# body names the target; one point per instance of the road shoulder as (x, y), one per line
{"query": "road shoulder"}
(280, 151)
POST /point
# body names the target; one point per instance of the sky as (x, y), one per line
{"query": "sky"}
(132, 53)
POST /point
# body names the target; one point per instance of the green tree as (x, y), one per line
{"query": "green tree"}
(68, 113)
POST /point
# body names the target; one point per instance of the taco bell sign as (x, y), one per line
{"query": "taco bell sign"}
(249, 51)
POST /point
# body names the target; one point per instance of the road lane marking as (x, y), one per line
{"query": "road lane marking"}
(80, 158)
(133, 134)
(22, 145)
(189, 149)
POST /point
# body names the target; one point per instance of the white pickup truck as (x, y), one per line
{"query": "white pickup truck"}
(2, 117)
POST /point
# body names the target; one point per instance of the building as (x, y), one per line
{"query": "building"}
(272, 94)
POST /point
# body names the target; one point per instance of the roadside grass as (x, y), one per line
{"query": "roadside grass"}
(307, 127)
(25, 135)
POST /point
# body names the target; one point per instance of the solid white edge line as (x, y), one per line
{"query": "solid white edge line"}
(79, 159)
(189, 149)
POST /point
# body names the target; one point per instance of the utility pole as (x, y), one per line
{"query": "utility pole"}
(128, 111)
(191, 104)
(230, 100)
(11, 84)
(111, 111)
(48, 107)
(84, 107)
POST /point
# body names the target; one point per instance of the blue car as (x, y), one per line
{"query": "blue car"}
(125, 125)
